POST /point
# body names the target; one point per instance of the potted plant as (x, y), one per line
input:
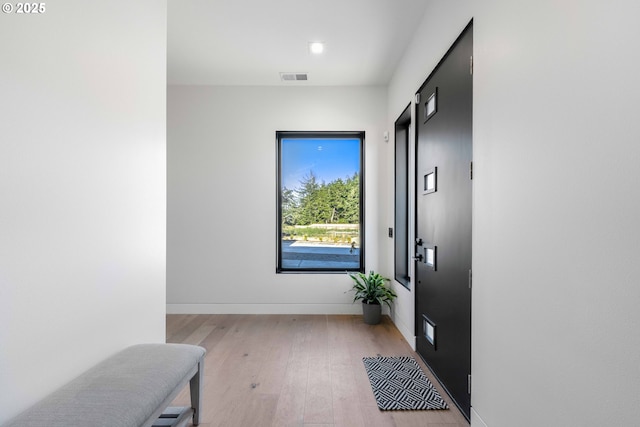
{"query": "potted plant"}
(371, 289)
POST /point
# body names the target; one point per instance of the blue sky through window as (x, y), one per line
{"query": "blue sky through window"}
(329, 159)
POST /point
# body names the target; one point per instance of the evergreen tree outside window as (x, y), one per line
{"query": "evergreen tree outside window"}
(320, 221)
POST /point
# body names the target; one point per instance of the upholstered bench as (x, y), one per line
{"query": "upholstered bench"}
(129, 389)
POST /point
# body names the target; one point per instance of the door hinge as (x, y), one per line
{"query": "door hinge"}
(469, 383)
(417, 99)
(470, 279)
(471, 65)
(471, 170)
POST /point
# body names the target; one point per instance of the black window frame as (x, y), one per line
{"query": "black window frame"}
(361, 181)
(402, 252)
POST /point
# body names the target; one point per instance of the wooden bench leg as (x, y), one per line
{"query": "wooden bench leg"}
(195, 385)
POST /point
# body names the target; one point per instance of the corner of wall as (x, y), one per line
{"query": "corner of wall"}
(476, 421)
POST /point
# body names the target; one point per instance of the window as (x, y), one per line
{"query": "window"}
(401, 242)
(320, 219)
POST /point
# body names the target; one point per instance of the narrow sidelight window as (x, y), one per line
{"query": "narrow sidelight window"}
(320, 199)
(401, 242)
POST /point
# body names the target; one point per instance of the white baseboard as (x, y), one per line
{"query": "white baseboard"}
(280, 309)
(406, 333)
(476, 421)
(264, 309)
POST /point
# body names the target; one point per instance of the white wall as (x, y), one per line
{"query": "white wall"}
(82, 190)
(556, 154)
(222, 195)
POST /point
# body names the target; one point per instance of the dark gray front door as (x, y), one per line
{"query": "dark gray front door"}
(443, 220)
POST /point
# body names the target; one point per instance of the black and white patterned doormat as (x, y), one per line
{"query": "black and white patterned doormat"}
(399, 383)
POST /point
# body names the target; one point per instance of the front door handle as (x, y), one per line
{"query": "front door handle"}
(418, 257)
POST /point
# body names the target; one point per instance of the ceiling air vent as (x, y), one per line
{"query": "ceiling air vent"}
(293, 77)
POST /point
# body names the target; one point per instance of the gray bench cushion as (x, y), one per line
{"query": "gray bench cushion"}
(123, 391)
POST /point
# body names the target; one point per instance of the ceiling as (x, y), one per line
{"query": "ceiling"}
(250, 42)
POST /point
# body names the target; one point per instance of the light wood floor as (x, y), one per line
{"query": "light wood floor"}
(296, 370)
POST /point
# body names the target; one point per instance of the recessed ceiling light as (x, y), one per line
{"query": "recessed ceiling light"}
(316, 47)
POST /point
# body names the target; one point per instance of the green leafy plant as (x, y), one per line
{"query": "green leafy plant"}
(371, 289)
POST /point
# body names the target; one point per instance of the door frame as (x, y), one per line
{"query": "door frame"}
(415, 175)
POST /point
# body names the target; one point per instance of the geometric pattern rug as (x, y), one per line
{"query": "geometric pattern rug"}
(399, 383)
